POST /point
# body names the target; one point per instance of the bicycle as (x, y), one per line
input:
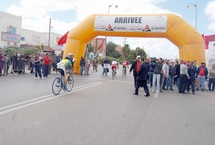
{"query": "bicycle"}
(58, 85)
(114, 73)
(123, 71)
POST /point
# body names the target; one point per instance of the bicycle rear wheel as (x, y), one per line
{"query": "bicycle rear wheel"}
(56, 86)
(70, 83)
(113, 74)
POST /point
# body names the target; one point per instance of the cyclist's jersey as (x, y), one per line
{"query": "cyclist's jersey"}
(63, 64)
(114, 63)
(125, 63)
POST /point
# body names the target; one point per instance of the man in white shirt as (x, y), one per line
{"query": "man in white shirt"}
(184, 76)
(165, 69)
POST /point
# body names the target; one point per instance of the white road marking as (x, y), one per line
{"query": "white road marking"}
(39, 98)
(13, 107)
(108, 79)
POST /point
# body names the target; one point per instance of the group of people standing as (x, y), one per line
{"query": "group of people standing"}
(39, 63)
(85, 65)
(192, 77)
(162, 74)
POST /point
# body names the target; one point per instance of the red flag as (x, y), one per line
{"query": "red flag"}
(208, 39)
(63, 39)
(101, 44)
(206, 42)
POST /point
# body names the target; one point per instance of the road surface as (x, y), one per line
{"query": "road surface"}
(101, 111)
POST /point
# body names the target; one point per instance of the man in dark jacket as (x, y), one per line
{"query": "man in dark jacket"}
(135, 67)
(142, 78)
(82, 65)
(172, 72)
(192, 73)
(54, 62)
(177, 74)
(151, 70)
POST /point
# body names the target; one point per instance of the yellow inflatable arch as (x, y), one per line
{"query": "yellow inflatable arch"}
(169, 26)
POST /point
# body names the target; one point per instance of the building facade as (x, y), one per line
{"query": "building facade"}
(10, 28)
(13, 35)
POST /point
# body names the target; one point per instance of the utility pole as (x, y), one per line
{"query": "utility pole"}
(50, 22)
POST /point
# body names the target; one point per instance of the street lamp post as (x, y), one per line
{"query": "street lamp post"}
(50, 26)
(109, 6)
(195, 5)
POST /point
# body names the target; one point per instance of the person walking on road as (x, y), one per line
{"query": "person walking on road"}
(142, 78)
(135, 68)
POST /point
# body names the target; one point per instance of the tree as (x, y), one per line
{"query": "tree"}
(132, 56)
(126, 51)
(90, 48)
(140, 52)
(10, 50)
(111, 50)
(135, 52)
(26, 51)
(40, 48)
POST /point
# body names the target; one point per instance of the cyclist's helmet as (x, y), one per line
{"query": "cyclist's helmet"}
(67, 57)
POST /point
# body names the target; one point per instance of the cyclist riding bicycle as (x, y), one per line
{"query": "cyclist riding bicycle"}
(70, 67)
(114, 65)
(62, 68)
(125, 65)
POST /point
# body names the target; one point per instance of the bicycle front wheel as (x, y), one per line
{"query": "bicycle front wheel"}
(56, 86)
(70, 83)
(123, 72)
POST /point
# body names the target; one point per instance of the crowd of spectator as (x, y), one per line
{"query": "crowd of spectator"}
(186, 75)
(38, 63)
(162, 73)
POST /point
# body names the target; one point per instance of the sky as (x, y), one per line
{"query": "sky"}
(66, 14)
